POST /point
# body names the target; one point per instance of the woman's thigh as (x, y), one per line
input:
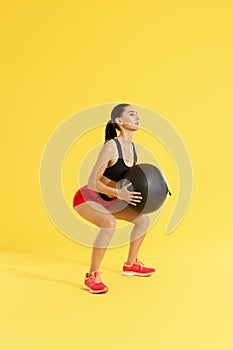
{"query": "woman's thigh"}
(96, 214)
(124, 212)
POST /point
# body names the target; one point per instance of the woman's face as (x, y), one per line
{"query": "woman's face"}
(129, 119)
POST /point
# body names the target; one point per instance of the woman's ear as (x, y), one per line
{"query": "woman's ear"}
(118, 121)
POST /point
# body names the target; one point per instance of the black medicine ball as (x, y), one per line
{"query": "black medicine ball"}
(147, 179)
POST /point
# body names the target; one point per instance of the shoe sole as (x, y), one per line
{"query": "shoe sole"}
(130, 273)
(95, 291)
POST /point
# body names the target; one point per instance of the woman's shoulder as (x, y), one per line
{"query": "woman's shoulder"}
(109, 146)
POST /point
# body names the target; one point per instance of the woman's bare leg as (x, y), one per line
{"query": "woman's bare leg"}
(98, 215)
(138, 233)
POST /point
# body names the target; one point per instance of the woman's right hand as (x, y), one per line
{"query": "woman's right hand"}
(128, 196)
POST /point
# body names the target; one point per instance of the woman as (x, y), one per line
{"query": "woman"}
(102, 201)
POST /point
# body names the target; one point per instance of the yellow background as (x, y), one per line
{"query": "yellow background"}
(174, 57)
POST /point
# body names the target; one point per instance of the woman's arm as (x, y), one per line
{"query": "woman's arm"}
(107, 152)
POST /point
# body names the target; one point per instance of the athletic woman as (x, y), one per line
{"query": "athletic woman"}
(103, 200)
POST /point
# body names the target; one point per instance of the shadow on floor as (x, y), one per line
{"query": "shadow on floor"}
(25, 257)
(33, 276)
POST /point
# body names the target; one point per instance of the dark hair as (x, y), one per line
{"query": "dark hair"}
(110, 131)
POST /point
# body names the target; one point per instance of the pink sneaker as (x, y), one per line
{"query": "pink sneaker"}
(137, 269)
(94, 284)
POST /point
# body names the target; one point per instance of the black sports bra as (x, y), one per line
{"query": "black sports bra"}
(116, 171)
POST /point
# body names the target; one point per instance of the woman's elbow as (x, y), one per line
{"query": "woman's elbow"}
(91, 184)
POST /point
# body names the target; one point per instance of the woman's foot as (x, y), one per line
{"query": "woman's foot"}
(94, 284)
(137, 269)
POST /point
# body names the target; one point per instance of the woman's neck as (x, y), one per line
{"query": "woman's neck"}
(126, 135)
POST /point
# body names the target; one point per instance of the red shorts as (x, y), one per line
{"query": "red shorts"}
(84, 194)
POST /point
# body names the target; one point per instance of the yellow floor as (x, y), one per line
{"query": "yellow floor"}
(62, 57)
(187, 304)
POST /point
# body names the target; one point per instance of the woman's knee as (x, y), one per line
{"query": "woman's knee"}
(142, 221)
(108, 222)
(107, 229)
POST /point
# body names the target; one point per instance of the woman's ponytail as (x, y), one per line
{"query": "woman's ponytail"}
(110, 131)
